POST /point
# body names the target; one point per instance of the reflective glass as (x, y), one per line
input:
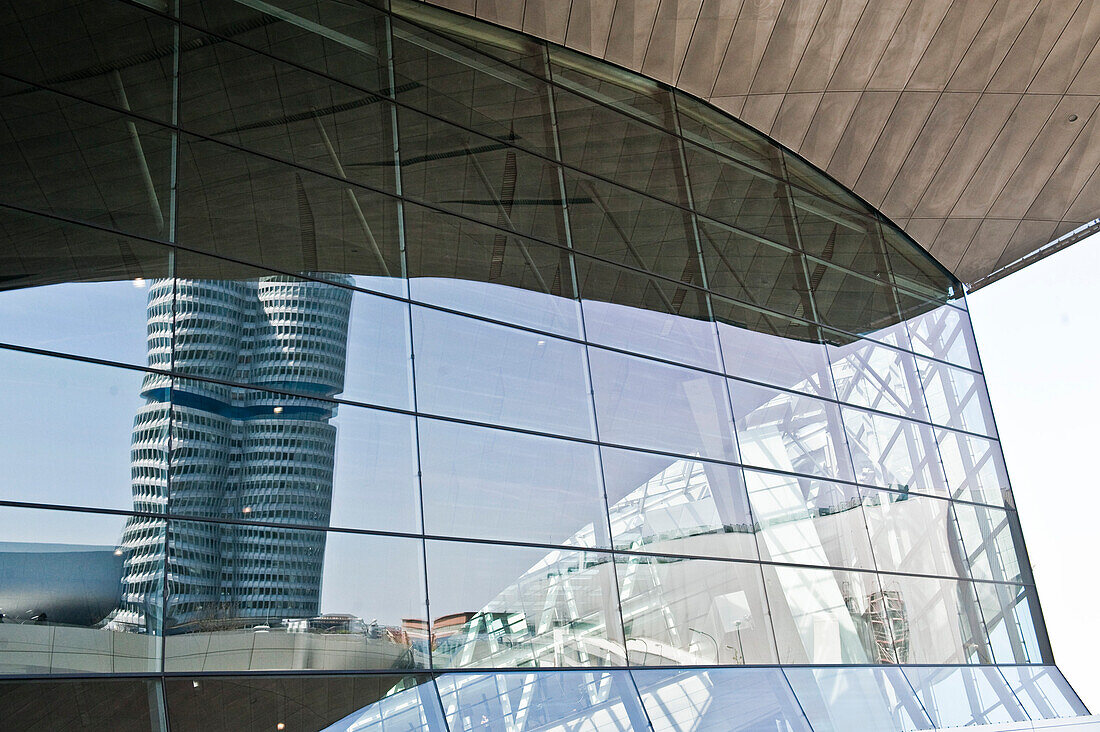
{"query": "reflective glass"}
(455, 82)
(629, 93)
(662, 504)
(477, 269)
(692, 612)
(648, 404)
(1010, 622)
(809, 521)
(116, 54)
(235, 95)
(944, 333)
(754, 271)
(914, 268)
(92, 305)
(829, 616)
(312, 337)
(792, 432)
(123, 705)
(646, 314)
(758, 346)
(1043, 692)
(348, 703)
(479, 178)
(494, 484)
(871, 699)
(957, 697)
(934, 620)
(851, 302)
(957, 398)
(719, 700)
(550, 701)
(893, 453)
(249, 455)
(76, 433)
(508, 606)
(740, 197)
(345, 41)
(914, 534)
(839, 236)
(874, 376)
(975, 468)
(246, 598)
(80, 592)
(80, 161)
(490, 373)
(710, 127)
(249, 207)
(604, 142)
(987, 535)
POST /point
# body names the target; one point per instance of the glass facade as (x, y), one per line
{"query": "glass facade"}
(369, 368)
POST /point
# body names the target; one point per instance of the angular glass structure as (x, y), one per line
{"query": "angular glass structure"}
(370, 368)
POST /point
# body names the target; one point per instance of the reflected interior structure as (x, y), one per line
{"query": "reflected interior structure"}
(372, 368)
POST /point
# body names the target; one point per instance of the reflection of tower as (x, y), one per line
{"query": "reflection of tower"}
(236, 453)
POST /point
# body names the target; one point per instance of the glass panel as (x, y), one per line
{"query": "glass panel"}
(851, 302)
(813, 180)
(645, 314)
(80, 592)
(554, 701)
(987, 536)
(913, 534)
(625, 91)
(247, 455)
(493, 484)
(792, 432)
(739, 196)
(475, 370)
(877, 377)
(958, 697)
(687, 612)
(957, 398)
(80, 161)
(93, 304)
(359, 703)
(975, 468)
(809, 521)
(607, 143)
(250, 598)
(272, 214)
(653, 405)
(238, 96)
(839, 236)
(702, 123)
(280, 332)
(507, 606)
(345, 41)
(627, 228)
(893, 453)
(772, 349)
(944, 333)
(114, 54)
(120, 705)
(754, 271)
(827, 616)
(1043, 692)
(480, 178)
(485, 271)
(68, 434)
(934, 620)
(1010, 622)
(871, 699)
(720, 700)
(915, 269)
(671, 505)
(460, 85)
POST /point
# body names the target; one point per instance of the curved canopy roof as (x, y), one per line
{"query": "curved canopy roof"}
(970, 123)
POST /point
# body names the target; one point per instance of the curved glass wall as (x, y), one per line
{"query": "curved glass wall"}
(464, 382)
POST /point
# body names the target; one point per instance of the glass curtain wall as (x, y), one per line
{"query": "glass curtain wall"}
(461, 382)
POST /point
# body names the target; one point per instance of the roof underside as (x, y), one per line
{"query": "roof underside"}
(970, 123)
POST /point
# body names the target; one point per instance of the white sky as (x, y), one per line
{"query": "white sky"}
(1038, 334)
